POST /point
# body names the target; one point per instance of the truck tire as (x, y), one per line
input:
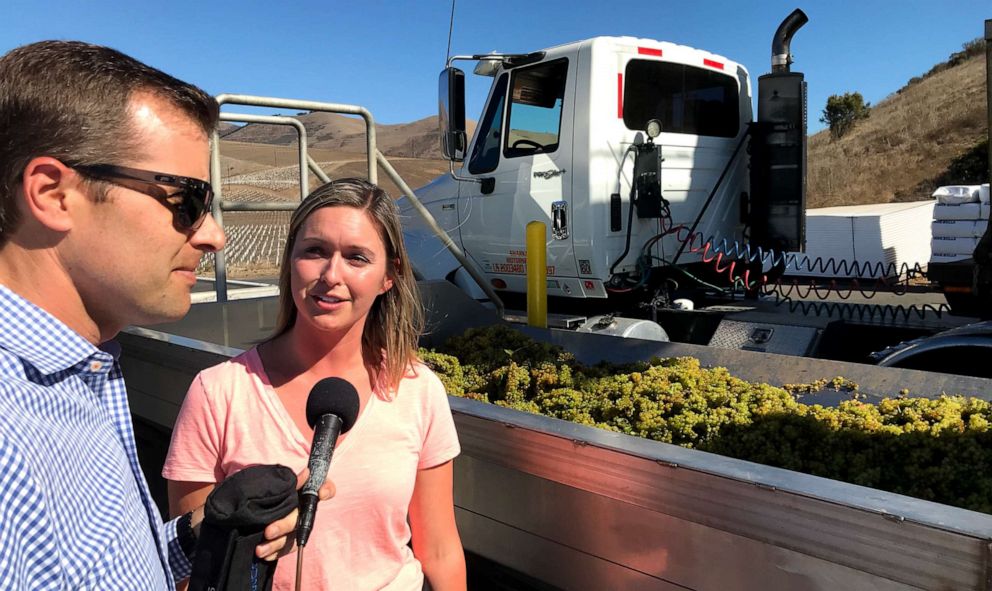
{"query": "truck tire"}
(966, 304)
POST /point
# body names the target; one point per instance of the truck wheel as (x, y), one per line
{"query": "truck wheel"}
(966, 304)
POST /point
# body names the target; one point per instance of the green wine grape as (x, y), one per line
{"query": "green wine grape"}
(938, 448)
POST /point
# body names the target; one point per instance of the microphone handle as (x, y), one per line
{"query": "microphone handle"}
(325, 437)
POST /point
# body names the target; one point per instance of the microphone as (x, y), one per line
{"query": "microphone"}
(332, 408)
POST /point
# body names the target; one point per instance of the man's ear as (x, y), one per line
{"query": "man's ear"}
(46, 188)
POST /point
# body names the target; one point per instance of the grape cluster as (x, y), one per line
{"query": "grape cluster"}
(937, 448)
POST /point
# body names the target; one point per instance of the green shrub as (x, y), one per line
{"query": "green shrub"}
(843, 111)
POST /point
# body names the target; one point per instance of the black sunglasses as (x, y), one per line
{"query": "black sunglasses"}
(189, 205)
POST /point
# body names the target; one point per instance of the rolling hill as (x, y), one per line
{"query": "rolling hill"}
(344, 133)
(916, 139)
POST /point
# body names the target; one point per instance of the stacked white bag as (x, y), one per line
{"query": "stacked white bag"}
(960, 218)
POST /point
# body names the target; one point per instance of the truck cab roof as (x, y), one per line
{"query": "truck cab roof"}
(637, 46)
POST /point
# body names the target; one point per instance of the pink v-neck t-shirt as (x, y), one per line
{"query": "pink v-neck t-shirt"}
(232, 418)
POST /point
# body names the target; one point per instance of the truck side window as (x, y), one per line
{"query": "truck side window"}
(485, 153)
(534, 115)
(686, 99)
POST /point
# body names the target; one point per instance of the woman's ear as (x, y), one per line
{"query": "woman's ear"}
(393, 270)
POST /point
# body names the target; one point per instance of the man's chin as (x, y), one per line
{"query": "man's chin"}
(175, 311)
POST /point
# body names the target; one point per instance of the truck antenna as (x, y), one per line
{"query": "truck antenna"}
(451, 25)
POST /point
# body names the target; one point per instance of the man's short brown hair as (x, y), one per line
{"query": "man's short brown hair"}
(69, 100)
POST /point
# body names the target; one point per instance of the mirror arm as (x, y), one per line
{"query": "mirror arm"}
(486, 182)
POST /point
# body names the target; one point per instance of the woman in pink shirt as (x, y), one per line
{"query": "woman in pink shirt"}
(348, 307)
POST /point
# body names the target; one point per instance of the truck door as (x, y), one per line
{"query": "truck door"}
(524, 143)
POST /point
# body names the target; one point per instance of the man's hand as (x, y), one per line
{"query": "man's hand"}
(280, 535)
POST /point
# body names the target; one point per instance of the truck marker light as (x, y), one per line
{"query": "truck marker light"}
(713, 64)
(649, 51)
(620, 96)
(588, 284)
(498, 283)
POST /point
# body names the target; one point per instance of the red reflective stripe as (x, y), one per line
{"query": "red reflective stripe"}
(713, 64)
(620, 96)
(649, 51)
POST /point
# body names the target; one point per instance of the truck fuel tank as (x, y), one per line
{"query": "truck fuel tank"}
(617, 326)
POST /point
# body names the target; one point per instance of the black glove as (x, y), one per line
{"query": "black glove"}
(234, 521)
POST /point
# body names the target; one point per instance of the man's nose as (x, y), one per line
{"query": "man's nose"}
(209, 236)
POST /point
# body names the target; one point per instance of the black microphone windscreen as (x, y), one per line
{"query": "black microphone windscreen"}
(333, 396)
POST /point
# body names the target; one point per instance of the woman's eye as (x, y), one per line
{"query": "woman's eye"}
(359, 258)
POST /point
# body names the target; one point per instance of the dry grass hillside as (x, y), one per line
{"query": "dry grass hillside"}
(224, 128)
(255, 172)
(345, 133)
(903, 150)
(244, 162)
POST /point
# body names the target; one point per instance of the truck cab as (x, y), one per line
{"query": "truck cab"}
(557, 142)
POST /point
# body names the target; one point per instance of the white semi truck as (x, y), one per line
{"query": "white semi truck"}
(659, 192)
(614, 142)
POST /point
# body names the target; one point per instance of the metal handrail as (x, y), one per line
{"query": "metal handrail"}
(304, 157)
(375, 157)
(219, 206)
(302, 141)
(453, 248)
(264, 101)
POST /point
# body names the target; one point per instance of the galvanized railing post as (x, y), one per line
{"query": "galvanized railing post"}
(453, 248)
(220, 257)
(306, 162)
(988, 89)
(375, 158)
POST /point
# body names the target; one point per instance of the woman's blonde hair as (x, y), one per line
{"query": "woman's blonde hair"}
(396, 319)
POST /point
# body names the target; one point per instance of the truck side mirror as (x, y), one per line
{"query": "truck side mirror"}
(451, 113)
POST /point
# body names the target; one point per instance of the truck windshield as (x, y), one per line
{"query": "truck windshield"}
(684, 98)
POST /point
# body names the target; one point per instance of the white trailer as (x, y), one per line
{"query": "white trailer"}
(886, 240)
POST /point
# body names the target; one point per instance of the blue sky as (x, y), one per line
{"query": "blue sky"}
(386, 55)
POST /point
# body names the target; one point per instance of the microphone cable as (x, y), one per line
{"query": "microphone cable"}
(299, 568)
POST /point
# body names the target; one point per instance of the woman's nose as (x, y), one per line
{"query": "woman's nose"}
(332, 271)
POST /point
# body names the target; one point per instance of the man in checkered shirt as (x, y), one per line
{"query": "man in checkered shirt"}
(104, 216)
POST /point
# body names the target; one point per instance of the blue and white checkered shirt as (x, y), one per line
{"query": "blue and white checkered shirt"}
(75, 511)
